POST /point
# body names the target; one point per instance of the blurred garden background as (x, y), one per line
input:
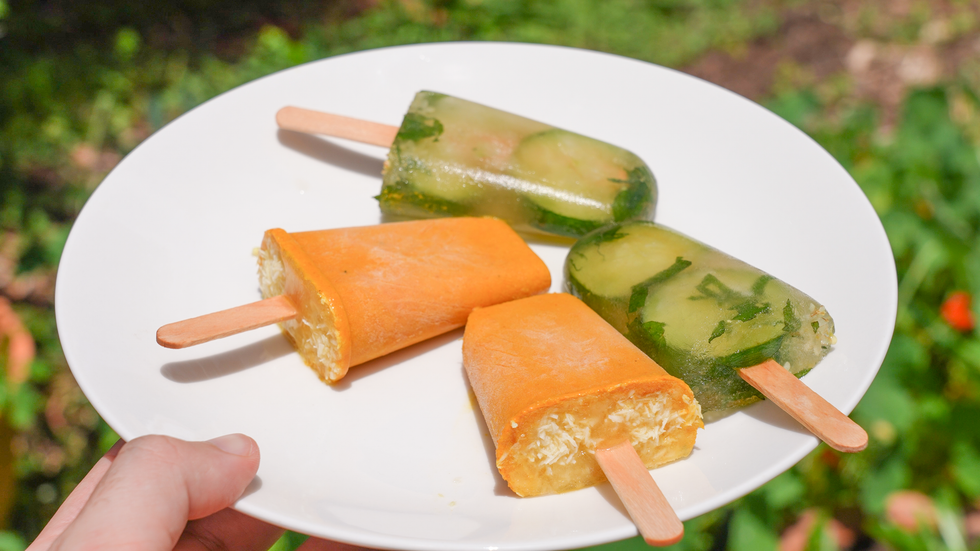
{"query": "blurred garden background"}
(890, 87)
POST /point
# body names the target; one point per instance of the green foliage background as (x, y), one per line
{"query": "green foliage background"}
(83, 84)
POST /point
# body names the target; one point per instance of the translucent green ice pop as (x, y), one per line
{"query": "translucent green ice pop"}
(453, 157)
(698, 312)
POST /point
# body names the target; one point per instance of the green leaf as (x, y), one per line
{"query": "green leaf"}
(897, 538)
(820, 538)
(638, 296)
(889, 402)
(753, 355)
(877, 178)
(275, 50)
(791, 323)
(747, 311)
(41, 370)
(632, 544)
(698, 536)
(633, 201)
(894, 474)
(906, 357)
(712, 287)
(749, 533)
(604, 234)
(402, 199)
(759, 286)
(784, 491)
(417, 127)
(965, 463)
(107, 437)
(289, 541)
(24, 405)
(559, 224)
(950, 519)
(796, 107)
(718, 331)
(655, 332)
(10, 541)
(128, 42)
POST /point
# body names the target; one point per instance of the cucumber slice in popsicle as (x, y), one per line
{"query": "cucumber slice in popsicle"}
(698, 312)
(705, 323)
(605, 265)
(578, 182)
(417, 203)
(453, 157)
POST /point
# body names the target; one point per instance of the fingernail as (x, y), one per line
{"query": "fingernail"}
(236, 444)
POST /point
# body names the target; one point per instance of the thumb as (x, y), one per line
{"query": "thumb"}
(155, 485)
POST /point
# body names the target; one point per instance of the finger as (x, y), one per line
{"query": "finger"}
(155, 485)
(314, 544)
(228, 529)
(75, 501)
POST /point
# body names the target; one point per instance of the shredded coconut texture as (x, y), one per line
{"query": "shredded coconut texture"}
(555, 452)
(312, 332)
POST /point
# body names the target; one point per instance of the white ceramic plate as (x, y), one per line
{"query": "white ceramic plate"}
(395, 456)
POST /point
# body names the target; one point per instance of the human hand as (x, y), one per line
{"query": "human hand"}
(161, 493)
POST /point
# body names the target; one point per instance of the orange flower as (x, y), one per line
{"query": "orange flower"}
(795, 537)
(19, 343)
(911, 510)
(957, 312)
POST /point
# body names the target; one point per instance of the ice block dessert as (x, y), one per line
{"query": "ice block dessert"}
(697, 311)
(554, 382)
(359, 293)
(453, 157)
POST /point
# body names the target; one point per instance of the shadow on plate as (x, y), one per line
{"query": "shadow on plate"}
(367, 369)
(607, 492)
(770, 414)
(270, 348)
(500, 487)
(253, 486)
(331, 153)
(227, 363)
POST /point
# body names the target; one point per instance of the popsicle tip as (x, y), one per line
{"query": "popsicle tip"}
(806, 406)
(849, 439)
(282, 115)
(164, 339)
(663, 540)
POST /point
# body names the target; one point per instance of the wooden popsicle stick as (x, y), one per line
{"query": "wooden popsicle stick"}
(338, 126)
(225, 323)
(646, 504)
(806, 406)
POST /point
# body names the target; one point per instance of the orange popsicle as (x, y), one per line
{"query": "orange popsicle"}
(363, 292)
(555, 382)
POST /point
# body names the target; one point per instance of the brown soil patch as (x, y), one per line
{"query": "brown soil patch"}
(880, 49)
(802, 40)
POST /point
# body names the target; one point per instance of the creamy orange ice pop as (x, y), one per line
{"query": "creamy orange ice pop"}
(555, 381)
(354, 294)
